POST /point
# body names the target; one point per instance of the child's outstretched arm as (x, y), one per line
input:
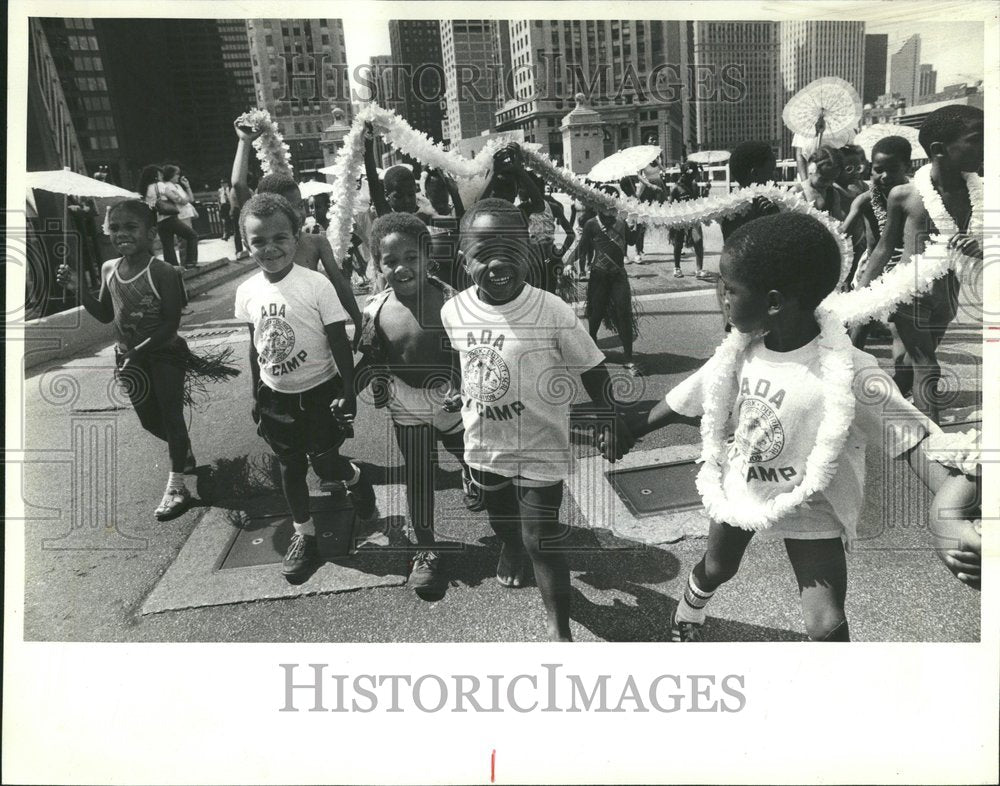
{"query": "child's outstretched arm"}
(254, 374)
(892, 237)
(613, 442)
(100, 308)
(855, 213)
(456, 198)
(375, 189)
(241, 162)
(566, 223)
(344, 292)
(658, 417)
(336, 336)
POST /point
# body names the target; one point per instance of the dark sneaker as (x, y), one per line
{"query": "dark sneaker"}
(300, 559)
(425, 573)
(475, 499)
(684, 631)
(362, 497)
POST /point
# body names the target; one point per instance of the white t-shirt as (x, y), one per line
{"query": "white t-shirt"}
(288, 320)
(520, 367)
(777, 414)
(173, 192)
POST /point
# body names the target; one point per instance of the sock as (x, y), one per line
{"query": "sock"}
(354, 478)
(175, 482)
(692, 606)
(307, 527)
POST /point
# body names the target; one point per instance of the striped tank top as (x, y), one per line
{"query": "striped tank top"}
(137, 305)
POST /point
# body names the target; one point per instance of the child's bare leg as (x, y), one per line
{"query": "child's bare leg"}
(699, 254)
(539, 510)
(502, 512)
(416, 443)
(293, 483)
(902, 373)
(598, 294)
(726, 545)
(920, 348)
(821, 571)
(678, 249)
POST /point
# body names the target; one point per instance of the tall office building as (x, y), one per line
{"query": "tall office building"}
(52, 142)
(611, 61)
(416, 55)
(928, 81)
(748, 107)
(470, 64)
(876, 63)
(236, 57)
(300, 76)
(811, 50)
(76, 50)
(904, 70)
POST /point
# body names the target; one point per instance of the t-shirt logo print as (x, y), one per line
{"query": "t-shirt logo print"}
(278, 340)
(759, 435)
(486, 374)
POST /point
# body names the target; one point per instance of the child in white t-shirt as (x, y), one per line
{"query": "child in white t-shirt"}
(518, 345)
(297, 345)
(777, 269)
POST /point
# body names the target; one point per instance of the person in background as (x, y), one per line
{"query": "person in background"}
(222, 194)
(166, 199)
(823, 168)
(685, 189)
(187, 213)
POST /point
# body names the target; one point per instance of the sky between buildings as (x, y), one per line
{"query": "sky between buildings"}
(954, 49)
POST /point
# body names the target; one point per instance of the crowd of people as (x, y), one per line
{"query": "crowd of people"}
(468, 319)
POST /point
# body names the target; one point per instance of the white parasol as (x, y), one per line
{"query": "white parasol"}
(65, 181)
(624, 163)
(311, 188)
(869, 135)
(827, 109)
(709, 157)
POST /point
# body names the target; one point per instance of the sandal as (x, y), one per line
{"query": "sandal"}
(678, 273)
(702, 274)
(634, 369)
(173, 504)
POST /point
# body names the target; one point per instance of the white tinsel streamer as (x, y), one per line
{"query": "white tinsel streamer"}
(272, 152)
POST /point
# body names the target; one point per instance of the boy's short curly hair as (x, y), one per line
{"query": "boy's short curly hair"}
(404, 223)
(896, 146)
(276, 183)
(137, 208)
(746, 157)
(395, 175)
(946, 124)
(491, 206)
(852, 150)
(792, 253)
(268, 204)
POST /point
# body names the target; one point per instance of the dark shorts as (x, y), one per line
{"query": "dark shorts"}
(299, 424)
(934, 310)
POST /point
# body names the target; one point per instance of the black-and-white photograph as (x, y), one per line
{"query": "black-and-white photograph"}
(409, 328)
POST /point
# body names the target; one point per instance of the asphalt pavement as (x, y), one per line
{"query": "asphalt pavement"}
(95, 554)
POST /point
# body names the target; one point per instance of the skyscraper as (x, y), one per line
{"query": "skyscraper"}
(928, 80)
(236, 57)
(300, 75)
(76, 48)
(904, 70)
(876, 62)
(811, 50)
(470, 65)
(751, 109)
(416, 55)
(612, 62)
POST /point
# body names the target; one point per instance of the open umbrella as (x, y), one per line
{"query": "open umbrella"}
(311, 188)
(869, 135)
(65, 181)
(709, 157)
(623, 163)
(827, 109)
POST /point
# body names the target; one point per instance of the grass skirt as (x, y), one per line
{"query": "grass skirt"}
(213, 364)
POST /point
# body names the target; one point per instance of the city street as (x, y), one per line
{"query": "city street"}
(96, 558)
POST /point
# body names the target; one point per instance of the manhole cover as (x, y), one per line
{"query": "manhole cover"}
(658, 488)
(263, 539)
